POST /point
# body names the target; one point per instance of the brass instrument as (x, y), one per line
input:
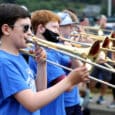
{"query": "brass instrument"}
(73, 52)
(95, 37)
(96, 28)
(69, 69)
(105, 44)
(85, 52)
(104, 47)
(110, 60)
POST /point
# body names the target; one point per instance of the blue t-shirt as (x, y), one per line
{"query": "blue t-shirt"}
(15, 76)
(56, 107)
(72, 97)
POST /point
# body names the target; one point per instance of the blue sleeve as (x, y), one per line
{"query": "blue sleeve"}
(65, 60)
(11, 80)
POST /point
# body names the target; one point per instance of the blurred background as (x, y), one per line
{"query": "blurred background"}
(89, 8)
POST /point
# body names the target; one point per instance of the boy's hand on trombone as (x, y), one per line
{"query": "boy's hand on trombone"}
(40, 54)
(78, 75)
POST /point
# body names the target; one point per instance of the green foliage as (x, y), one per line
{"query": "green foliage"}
(7, 1)
(57, 5)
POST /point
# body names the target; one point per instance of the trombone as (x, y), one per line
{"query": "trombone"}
(96, 29)
(95, 37)
(72, 52)
(85, 52)
(66, 68)
(101, 38)
(105, 45)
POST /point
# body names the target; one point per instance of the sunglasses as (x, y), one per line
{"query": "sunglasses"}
(25, 27)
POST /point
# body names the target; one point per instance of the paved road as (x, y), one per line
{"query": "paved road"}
(102, 108)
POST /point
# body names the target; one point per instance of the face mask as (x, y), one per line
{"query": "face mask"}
(51, 36)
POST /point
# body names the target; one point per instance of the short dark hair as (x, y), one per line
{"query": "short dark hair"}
(10, 13)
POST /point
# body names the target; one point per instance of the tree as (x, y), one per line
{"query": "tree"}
(9, 1)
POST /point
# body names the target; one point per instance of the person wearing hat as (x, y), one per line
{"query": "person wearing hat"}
(67, 23)
(71, 98)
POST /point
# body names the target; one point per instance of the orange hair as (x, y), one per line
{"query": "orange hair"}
(43, 17)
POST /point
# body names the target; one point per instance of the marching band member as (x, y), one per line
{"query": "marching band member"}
(18, 95)
(46, 26)
(71, 98)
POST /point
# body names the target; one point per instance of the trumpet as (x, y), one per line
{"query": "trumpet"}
(72, 52)
(66, 68)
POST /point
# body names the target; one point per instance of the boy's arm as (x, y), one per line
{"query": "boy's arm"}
(33, 101)
(41, 78)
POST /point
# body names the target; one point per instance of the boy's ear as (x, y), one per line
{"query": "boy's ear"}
(40, 28)
(5, 29)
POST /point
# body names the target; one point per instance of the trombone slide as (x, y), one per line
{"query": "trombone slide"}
(69, 69)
